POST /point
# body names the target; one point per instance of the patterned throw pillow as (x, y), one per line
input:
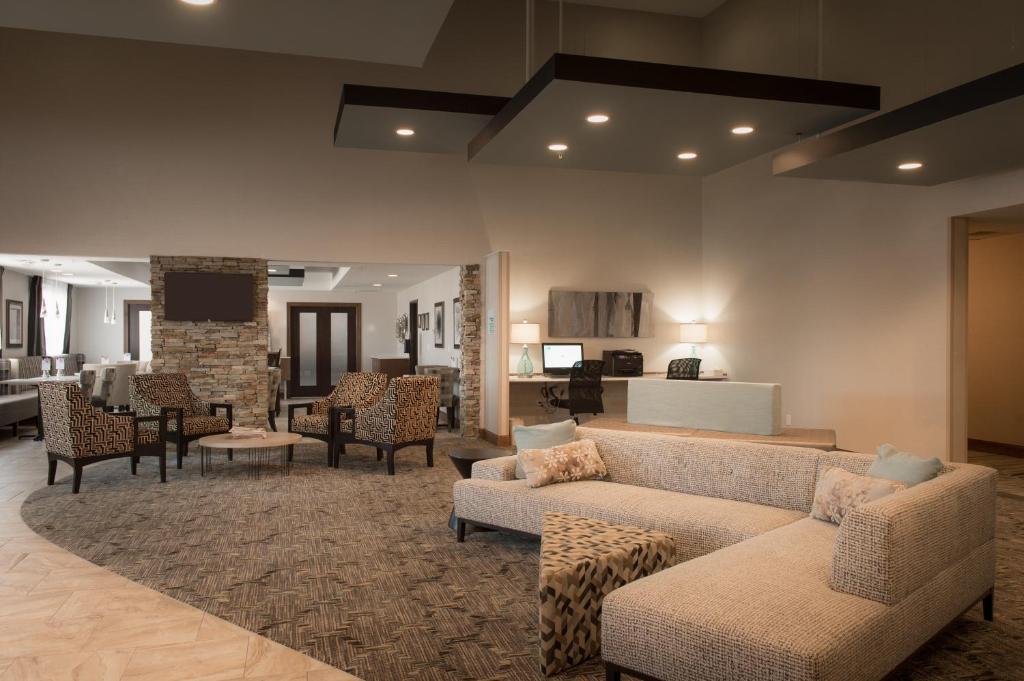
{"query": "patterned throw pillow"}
(839, 492)
(577, 460)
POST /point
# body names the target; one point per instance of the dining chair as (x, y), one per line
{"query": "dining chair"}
(685, 369)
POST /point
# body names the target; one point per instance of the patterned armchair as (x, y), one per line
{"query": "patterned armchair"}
(357, 389)
(449, 377)
(686, 369)
(406, 416)
(188, 417)
(79, 434)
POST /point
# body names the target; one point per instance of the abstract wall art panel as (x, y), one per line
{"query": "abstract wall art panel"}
(600, 314)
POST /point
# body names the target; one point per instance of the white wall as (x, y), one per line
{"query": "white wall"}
(840, 292)
(15, 287)
(597, 231)
(995, 332)
(378, 321)
(89, 335)
(441, 288)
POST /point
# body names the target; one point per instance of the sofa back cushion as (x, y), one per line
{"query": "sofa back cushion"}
(783, 477)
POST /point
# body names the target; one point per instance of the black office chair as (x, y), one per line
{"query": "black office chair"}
(584, 390)
(687, 369)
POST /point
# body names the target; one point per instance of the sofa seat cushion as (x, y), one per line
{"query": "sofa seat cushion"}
(200, 425)
(310, 423)
(763, 609)
(699, 525)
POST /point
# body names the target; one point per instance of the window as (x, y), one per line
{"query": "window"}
(55, 300)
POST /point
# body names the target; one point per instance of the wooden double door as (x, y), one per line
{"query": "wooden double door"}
(323, 343)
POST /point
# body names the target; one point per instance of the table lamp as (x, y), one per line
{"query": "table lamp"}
(693, 333)
(525, 333)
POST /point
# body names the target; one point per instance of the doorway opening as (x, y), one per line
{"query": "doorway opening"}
(987, 376)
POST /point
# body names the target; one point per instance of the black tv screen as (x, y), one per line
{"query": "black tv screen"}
(208, 296)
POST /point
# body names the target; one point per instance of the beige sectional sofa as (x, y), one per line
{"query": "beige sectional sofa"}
(760, 589)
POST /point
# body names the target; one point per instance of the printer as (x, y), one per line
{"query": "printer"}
(623, 363)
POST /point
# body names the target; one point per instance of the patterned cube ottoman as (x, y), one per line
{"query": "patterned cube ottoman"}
(582, 561)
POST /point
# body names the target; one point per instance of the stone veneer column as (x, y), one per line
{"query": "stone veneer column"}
(469, 384)
(224, 361)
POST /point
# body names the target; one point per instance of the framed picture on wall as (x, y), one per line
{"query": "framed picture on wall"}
(439, 324)
(14, 333)
(457, 323)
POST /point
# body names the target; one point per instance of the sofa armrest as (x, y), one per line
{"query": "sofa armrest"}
(502, 468)
(888, 548)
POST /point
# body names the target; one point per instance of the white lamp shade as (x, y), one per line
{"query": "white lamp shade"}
(525, 333)
(693, 333)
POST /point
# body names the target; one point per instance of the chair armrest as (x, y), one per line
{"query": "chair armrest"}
(161, 419)
(214, 406)
(336, 414)
(502, 468)
(177, 413)
(292, 406)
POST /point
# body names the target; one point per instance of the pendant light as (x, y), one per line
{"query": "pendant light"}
(56, 304)
(42, 302)
(106, 307)
(113, 304)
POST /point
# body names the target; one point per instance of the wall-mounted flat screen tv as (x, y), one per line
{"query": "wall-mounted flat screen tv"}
(208, 296)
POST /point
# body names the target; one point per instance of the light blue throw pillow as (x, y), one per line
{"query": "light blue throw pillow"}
(541, 436)
(892, 464)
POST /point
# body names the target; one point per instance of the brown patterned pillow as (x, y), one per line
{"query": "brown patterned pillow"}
(577, 460)
(839, 492)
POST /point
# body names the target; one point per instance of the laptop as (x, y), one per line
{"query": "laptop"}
(559, 358)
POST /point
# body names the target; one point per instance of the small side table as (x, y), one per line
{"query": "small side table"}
(463, 458)
(581, 562)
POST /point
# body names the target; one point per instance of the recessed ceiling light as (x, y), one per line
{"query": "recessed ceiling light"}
(687, 155)
(910, 165)
(199, 2)
(392, 275)
(272, 270)
(597, 118)
(558, 146)
(405, 132)
(742, 130)
(378, 284)
(54, 271)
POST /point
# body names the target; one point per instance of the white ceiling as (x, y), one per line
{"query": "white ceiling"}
(683, 8)
(383, 31)
(79, 271)
(361, 277)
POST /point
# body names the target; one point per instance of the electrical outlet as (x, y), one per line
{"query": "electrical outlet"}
(789, 419)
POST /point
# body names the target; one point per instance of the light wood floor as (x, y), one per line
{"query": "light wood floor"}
(63, 618)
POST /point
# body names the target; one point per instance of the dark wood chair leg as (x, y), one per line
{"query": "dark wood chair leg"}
(14, 430)
(273, 422)
(449, 411)
(51, 474)
(611, 673)
(460, 530)
(291, 452)
(430, 454)
(77, 482)
(135, 465)
(163, 465)
(380, 453)
(179, 452)
(988, 605)
(391, 460)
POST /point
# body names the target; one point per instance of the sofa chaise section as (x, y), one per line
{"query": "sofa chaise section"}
(813, 601)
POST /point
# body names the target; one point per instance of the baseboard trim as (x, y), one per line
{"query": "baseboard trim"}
(990, 447)
(495, 439)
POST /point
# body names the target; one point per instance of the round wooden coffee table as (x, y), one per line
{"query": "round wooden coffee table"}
(464, 457)
(260, 449)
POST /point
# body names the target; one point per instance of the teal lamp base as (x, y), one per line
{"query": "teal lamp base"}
(525, 367)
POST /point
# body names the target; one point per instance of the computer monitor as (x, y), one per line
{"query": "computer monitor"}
(559, 357)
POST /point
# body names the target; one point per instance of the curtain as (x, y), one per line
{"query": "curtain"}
(67, 324)
(33, 323)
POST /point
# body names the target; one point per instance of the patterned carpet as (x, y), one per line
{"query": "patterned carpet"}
(359, 569)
